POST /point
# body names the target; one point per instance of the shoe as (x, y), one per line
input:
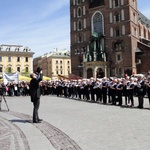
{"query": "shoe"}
(36, 121)
(40, 119)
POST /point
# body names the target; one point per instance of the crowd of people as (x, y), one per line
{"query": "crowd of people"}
(105, 90)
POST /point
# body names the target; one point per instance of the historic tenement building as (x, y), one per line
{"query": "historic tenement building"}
(108, 38)
(54, 63)
(15, 58)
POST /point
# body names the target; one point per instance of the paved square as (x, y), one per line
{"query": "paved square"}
(71, 124)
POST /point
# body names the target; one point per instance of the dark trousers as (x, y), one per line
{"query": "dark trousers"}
(36, 105)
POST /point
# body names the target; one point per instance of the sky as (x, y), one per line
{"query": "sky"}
(41, 25)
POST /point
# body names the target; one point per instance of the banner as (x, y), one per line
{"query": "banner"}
(10, 77)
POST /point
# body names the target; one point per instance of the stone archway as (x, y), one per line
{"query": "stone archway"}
(100, 73)
(89, 73)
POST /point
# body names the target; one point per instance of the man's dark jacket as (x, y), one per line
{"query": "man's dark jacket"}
(35, 91)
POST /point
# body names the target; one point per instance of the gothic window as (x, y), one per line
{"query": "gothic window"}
(78, 1)
(98, 23)
(74, 25)
(122, 2)
(74, 2)
(79, 25)
(117, 17)
(110, 18)
(79, 12)
(123, 30)
(83, 10)
(79, 39)
(74, 13)
(111, 32)
(110, 3)
(84, 23)
(116, 3)
(117, 31)
(122, 14)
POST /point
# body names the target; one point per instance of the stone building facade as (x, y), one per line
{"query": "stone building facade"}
(15, 58)
(54, 63)
(108, 38)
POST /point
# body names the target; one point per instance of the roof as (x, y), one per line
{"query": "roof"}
(144, 19)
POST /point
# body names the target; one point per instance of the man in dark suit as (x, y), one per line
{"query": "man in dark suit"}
(35, 93)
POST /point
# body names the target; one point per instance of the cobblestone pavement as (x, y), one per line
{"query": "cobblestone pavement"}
(71, 124)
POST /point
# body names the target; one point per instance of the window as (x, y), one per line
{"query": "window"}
(74, 26)
(1, 69)
(26, 59)
(117, 31)
(56, 72)
(68, 67)
(56, 61)
(56, 67)
(110, 3)
(26, 69)
(18, 59)
(79, 25)
(9, 69)
(61, 72)
(78, 1)
(61, 61)
(117, 17)
(60, 67)
(68, 62)
(0, 58)
(84, 23)
(122, 14)
(123, 30)
(79, 39)
(118, 57)
(98, 23)
(111, 32)
(122, 2)
(110, 18)
(116, 3)
(18, 69)
(9, 59)
(79, 12)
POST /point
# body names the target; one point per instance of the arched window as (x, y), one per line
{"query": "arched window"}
(79, 25)
(122, 2)
(111, 32)
(78, 1)
(110, 3)
(110, 18)
(122, 14)
(97, 21)
(117, 31)
(117, 17)
(123, 30)
(79, 12)
(116, 3)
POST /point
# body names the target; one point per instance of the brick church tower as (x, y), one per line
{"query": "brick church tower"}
(105, 37)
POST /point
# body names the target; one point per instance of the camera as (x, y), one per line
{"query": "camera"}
(2, 90)
(38, 70)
